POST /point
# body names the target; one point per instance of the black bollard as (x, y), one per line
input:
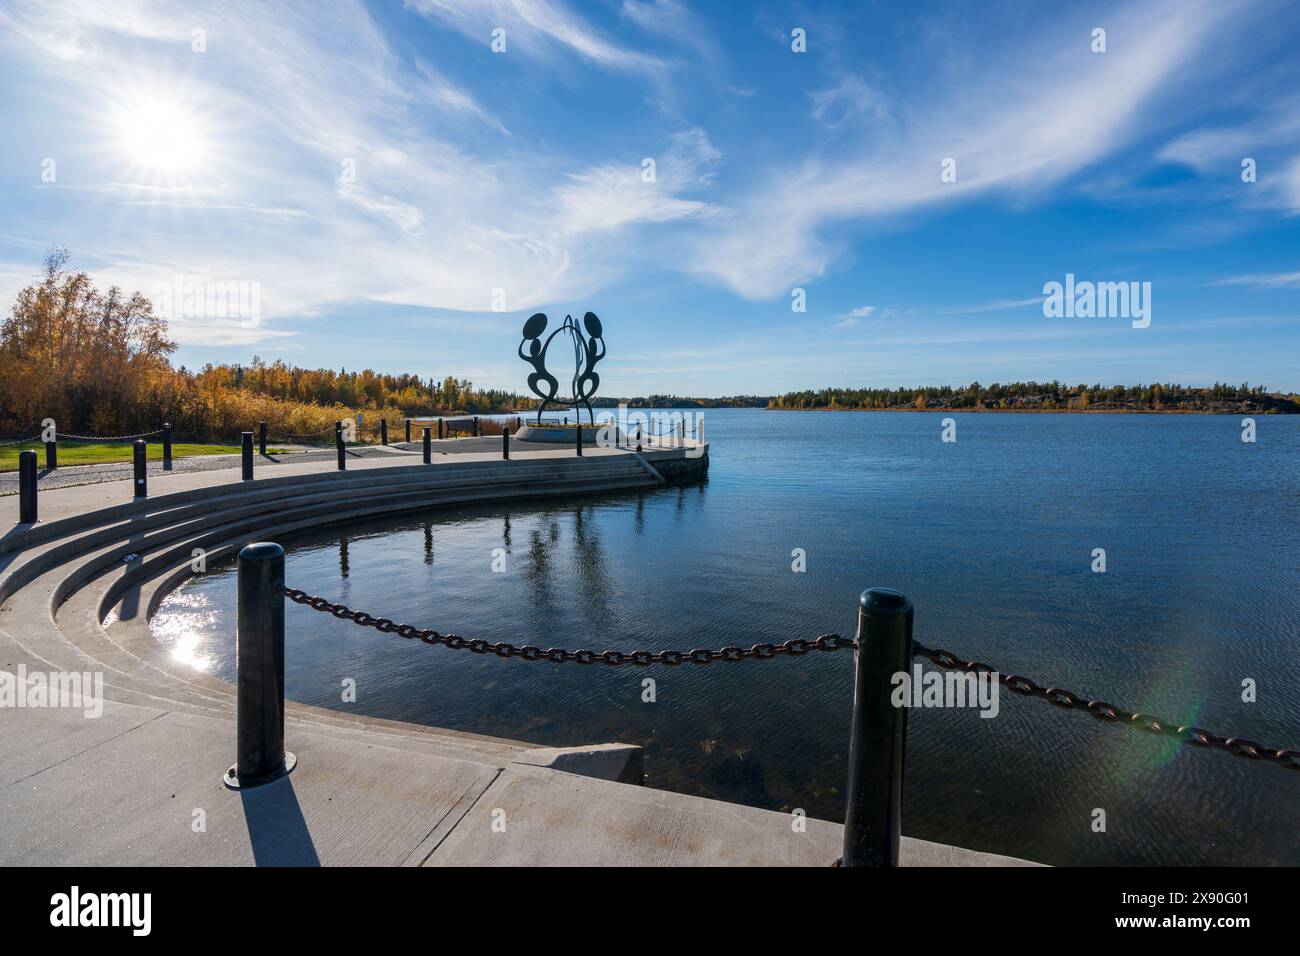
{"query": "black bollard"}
(518, 423)
(261, 439)
(505, 443)
(428, 449)
(474, 427)
(339, 447)
(408, 429)
(259, 657)
(167, 446)
(138, 452)
(439, 429)
(879, 731)
(383, 431)
(27, 487)
(578, 446)
(247, 454)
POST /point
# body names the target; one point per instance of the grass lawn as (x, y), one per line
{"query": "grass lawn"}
(98, 453)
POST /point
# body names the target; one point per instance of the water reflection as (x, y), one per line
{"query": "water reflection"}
(989, 542)
(593, 586)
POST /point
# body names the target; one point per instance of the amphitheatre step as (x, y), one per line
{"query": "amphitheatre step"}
(274, 499)
(462, 472)
(110, 579)
(64, 586)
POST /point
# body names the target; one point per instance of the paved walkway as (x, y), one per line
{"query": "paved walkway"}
(70, 475)
(142, 786)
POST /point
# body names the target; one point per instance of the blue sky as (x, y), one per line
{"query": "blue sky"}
(376, 172)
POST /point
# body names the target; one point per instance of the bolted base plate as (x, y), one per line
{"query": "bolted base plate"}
(231, 779)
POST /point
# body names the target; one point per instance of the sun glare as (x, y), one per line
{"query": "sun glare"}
(158, 134)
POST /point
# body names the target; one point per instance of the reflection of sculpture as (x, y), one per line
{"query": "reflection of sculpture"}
(586, 353)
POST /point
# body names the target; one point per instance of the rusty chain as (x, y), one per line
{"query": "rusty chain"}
(1067, 700)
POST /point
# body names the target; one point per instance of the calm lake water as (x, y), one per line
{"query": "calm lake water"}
(992, 538)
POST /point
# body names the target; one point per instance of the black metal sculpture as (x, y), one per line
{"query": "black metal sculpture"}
(587, 351)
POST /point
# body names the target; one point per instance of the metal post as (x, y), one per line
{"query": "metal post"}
(428, 450)
(383, 431)
(579, 444)
(871, 821)
(261, 439)
(167, 446)
(339, 447)
(518, 423)
(52, 453)
(259, 655)
(408, 429)
(247, 453)
(505, 443)
(27, 487)
(439, 430)
(475, 426)
(138, 452)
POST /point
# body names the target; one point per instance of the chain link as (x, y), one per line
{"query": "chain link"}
(1067, 700)
(532, 652)
(19, 441)
(109, 437)
(323, 431)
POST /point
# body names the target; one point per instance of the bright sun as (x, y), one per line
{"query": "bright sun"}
(160, 134)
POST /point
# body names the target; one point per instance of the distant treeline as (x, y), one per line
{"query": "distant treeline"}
(409, 394)
(679, 401)
(98, 363)
(1049, 396)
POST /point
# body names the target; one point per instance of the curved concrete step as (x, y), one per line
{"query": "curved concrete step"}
(70, 573)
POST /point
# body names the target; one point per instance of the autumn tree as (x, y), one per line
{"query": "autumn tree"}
(86, 358)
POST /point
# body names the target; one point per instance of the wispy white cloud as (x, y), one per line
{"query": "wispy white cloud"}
(1273, 280)
(854, 317)
(849, 101)
(537, 28)
(423, 216)
(1269, 138)
(1019, 130)
(447, 95)
(997, 305)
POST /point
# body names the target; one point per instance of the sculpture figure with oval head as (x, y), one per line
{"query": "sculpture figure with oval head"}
(536, 357)
(587, 351)
(593, 351)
